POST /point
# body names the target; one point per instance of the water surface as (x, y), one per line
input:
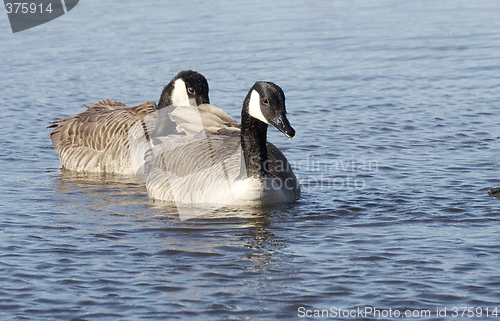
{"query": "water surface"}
(395, 108)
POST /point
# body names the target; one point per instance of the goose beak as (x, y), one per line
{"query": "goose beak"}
(282, 123)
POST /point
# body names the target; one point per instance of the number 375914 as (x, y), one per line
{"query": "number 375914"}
(27, 7)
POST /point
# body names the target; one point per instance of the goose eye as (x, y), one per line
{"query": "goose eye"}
(190, 90)
(265, 101)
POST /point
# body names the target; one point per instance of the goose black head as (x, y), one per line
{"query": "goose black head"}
(188, 87)
(266, 102)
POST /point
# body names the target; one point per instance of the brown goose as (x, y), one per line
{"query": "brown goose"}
(109, 137)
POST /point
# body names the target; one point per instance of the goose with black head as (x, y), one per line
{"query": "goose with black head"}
(220, 162)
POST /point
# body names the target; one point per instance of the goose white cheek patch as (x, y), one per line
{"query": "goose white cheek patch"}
(254, 107)
(179, 94)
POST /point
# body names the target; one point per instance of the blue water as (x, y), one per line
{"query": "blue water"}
(395, 104)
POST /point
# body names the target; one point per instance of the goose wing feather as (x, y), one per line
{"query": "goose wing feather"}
(189, 168)
(192, 120)
(280, 168)
(97, 140)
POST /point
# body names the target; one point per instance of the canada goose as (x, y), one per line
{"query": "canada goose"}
(110, 138)
(220, 162)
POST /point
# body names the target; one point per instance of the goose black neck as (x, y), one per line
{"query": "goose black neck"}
(165, 99)
(254, 146)
(164, 125)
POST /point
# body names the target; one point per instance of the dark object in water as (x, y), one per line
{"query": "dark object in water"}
(495, 192)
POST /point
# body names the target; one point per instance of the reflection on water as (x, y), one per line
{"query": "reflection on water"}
(118, 194)
(170, 263)
(123, 194)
